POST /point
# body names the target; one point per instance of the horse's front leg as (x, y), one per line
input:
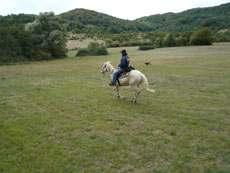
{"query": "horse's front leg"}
(118, 93)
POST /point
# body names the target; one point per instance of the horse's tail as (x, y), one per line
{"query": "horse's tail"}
(145, 82)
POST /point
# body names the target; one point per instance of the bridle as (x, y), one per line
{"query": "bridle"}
(104, 69)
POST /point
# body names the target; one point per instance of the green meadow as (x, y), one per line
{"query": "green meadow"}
(62, 116)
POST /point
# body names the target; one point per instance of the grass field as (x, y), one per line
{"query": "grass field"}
(73, 44)
(61, 116)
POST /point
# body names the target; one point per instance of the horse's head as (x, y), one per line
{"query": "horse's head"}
(105, 67)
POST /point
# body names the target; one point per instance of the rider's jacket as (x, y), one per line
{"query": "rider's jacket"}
(124, 62)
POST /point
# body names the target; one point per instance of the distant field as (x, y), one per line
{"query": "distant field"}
(61, 116)
(71, 44)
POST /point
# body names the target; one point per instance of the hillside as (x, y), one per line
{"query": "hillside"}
(92, 22)
(88, 21)
(215, 18)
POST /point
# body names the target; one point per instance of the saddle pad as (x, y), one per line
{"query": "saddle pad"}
(124, 74)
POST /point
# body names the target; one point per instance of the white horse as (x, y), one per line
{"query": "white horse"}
(134, 79)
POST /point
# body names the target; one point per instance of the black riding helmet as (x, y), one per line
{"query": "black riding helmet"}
(123, 52)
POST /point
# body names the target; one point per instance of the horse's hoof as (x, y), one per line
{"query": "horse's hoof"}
(118, 97)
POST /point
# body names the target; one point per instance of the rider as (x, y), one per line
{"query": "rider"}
(121, 67)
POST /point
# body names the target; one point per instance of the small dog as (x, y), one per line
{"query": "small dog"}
(148, 63)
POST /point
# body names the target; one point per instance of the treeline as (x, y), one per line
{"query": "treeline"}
(159, 39)
(42, 39)
(16, 19)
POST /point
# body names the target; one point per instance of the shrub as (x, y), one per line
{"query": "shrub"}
(202, 37)
(181, 41)
(131, 43)
(41, 55)
(146, 47)
(94, 45)
(11, 60)
(83, 52)
(108, 42)
(146, 43)
(74, 38)
(93, 49)
(115, 44)
(159, 42)
(223, 37)
(128, 43)
(170, 40)
(100, 51)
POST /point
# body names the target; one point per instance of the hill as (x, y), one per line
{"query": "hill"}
(215, 18)
(89, 21)
(92, 22)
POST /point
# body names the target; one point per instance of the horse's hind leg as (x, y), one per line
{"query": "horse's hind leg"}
(136, 93)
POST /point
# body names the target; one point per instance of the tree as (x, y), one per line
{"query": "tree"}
(159, 42)
(13, 44)
(170, 40)
(49, 35)
(181, 41)
(187, 35)
(202, 37)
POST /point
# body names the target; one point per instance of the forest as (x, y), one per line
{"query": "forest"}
(215, 18)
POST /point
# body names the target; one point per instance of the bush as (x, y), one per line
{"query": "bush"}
(202, 37)
(74, 38)
(223, 37)
(169, 41)
(159, 42)
(11, 60)
(144, 43)
(181, 41)
(93, 49)
(127, 43)
(100, 51)
(108, 42)
(115, 44)
(41, 55)
(146, 47)
(131, 43)
(83, 52)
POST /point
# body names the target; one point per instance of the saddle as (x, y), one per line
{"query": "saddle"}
(125, 73)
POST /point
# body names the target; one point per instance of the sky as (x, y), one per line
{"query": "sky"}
(124, 9)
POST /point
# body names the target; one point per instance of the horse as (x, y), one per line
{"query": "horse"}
(134, 79)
